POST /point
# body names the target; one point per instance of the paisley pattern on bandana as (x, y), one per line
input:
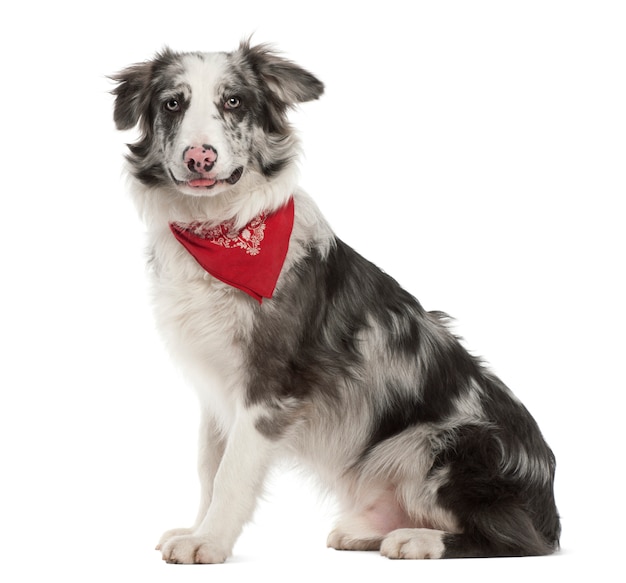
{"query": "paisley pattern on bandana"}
(225, 235)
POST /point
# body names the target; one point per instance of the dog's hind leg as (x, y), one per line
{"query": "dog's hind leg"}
(497, 511)
(367, 521)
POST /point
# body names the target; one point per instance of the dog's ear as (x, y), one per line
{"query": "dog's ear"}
(132, 95)
(287, 82)
(134, 90)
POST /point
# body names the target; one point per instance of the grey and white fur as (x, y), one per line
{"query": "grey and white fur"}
(429, 454)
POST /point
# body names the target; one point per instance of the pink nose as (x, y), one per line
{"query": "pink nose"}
(200, 159)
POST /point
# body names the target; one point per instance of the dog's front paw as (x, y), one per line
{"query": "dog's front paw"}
(193, 549)
(168, 534)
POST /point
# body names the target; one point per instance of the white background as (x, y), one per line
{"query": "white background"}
(474, 150)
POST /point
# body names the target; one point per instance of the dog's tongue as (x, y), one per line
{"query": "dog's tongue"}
(199, 182)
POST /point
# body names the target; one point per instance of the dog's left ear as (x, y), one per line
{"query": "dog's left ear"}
(286, 81)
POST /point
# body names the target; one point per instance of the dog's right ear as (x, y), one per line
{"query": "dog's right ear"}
(135, 86)
(132, 94)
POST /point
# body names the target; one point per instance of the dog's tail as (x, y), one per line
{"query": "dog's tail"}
(500, 532)
(502, 493)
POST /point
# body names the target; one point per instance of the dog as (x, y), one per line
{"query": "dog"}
(300, 347)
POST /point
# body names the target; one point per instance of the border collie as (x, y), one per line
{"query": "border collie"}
(300, 347)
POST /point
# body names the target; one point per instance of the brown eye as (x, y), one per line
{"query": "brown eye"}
(232, 103)
(172, 105)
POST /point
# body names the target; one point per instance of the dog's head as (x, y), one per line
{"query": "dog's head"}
(208, 121)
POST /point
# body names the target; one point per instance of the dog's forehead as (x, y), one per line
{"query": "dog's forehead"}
(203, 71)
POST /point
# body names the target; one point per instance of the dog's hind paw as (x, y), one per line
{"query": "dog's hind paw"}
(413, 543)
(342, 541)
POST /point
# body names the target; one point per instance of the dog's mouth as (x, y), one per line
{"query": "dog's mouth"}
(207, 183)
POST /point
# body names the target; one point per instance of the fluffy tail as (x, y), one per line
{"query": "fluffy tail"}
(500, 487)
(506, 532)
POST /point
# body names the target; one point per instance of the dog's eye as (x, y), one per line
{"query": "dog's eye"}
(172, 105)
(232, 103)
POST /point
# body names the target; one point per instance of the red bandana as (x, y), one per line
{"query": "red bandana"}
(250, 259)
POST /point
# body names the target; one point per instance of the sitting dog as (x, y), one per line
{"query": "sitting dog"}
(300, 347)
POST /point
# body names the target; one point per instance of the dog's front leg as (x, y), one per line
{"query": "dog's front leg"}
(238, 482)
(210, 452)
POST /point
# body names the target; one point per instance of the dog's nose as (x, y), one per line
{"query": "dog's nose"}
(200, 159)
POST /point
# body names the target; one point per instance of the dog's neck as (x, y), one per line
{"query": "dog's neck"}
(159, 206)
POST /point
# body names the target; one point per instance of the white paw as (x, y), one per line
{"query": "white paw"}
(168, 534)
(413, 543)
(342, 541)
(192, 549)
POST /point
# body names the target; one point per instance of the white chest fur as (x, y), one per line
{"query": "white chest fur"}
(203, 322)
